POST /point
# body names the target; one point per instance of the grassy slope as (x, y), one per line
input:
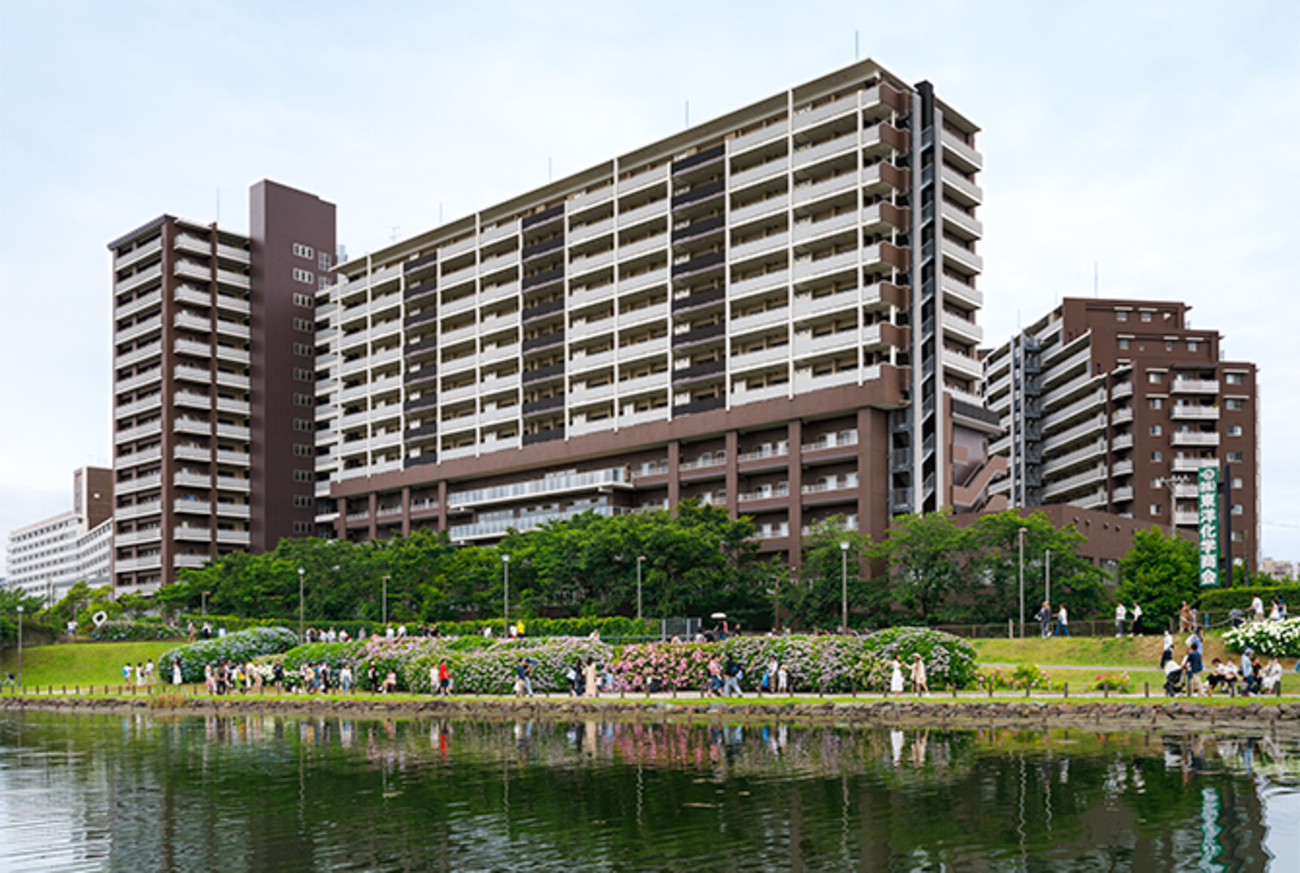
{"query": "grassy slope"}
(1133, 652)
(81, 663)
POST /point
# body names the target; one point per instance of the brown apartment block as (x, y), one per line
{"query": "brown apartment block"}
(214, 362)
(774, 312)
(1115, 405)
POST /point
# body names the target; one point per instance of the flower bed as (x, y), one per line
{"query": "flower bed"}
(1108, 681)
(237, 648)
(118, 631)
(1275, 638)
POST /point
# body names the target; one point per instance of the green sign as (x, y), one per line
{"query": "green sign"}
(1207, 521)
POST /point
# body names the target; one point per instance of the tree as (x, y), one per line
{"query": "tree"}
(925, 556)
(1159, 573)
(817, 600)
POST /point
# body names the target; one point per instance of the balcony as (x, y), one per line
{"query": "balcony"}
(136, 255)
(757, 174)
(963, 328)
(1194, 438)
(189, 562)
(643, 280)
(140, 304)
(233, 537)
(645, 212)
(192, 507)
(962, 293)
(135, 331)
(1194, 413)
(1194, 386)
(766, 493)
(1093, 425)
(962, 189)
(764, 134)
(1089, 452)
(758, 246)
(643, 179)
(1122, 390)
(153, 428)
(1075, 482)
(1120, 495)
(138, 484)
(766, 318)
(1192, 465)
(963, 364)
(964, 222)
(964, 257)
(130, 283)
(739, 216)
(757, 284)
(1122, 468)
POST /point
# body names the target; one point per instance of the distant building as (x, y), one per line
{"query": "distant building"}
(1115, 405)
(1282, 571)
(46, 558)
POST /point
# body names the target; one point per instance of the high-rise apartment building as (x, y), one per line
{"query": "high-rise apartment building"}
(774, 311)
(214, 361)
(1115, 405)
(46, 558)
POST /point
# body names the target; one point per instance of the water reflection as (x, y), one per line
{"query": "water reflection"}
(302, 793)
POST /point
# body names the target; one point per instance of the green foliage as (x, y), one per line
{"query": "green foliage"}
(1112, 681)
(1159, 573)
(141, 629)
(1277, 638)
(816, 601)
(237, 647)
(1031, 676)
(1225, 599)
(33, 614)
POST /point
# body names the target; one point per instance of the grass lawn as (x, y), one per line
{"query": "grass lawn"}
(1133, 652)
(80, 663)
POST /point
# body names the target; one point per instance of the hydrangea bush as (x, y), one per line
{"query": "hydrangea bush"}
(117, 631)
(237, 647)
(1275, 638)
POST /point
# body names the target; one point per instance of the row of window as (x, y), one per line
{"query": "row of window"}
(1233, 457)
(1233, 403)
(1234, 430)
(301, 250)
(1157, 377)
(1192, 345)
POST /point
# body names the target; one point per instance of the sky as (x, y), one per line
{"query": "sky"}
(1153, 146)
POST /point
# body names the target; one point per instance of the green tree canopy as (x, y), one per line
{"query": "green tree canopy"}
(1159, 573)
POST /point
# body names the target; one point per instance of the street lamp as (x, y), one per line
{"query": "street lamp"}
(1021, 537)
(203, 608)
(639, 561)
(20, 645)
(505, 560)
(1047, 578)
(384, 602)
(844, 587)
(301, 573)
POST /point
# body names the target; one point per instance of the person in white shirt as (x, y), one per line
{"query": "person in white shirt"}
(1121, 615)
(1136, 613)
(1257, 608)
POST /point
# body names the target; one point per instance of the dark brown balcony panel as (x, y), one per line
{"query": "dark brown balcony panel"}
(429, 343)
(544, 436)
(546, 340)
(424, 430)
(546, 277)
(899, 256)
(417, 263)
(542, 310)
(543, 217)
(698, 194)
(699, 264)
(696, 372)
(532, 407)
(423, 458)
(702, 158)
(420, 317)
(699, 406)
(898, 216)
(424, 401)
(900, 179)
(896, 295)
(429, 287)
(541, 248)
(900, 140)
(894, 335)
(894, 97)
(540, 374)
(424, 374)
(699, 335)
(699, 299)
(698, 228)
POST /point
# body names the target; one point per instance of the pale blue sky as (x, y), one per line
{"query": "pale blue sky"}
(1158, 140)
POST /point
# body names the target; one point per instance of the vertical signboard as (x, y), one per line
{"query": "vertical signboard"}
(1207, 522)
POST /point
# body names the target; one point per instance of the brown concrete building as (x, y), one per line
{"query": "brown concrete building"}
(1115, 405)
(214, 366)
(774, 311)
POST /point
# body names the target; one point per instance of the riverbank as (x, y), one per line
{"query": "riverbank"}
(1121, 713)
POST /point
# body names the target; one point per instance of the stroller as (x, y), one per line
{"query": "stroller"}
(1174, 685)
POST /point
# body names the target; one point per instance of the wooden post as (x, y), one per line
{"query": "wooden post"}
(1065, 687)
(1147, 689)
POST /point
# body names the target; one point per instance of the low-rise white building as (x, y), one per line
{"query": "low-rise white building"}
(45, 559)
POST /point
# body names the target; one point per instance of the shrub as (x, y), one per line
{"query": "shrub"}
(1225, 599)
(237, 647)
(1120, 682)
(1032, 677)
(949, 660)
(992, 678)
(142, 629)
(1276, 638)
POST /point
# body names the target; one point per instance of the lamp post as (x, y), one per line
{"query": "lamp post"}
(505, 560)
(844, 587)
(301, 573)
(383, 609)
(1021, 537)
(20, 645)
(203, 608)
(640, 559)
(1047, 577)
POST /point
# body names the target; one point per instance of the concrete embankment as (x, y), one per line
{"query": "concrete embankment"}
(1130, 714)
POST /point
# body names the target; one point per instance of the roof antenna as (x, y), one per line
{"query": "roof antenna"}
(394, 228)
(857, 55)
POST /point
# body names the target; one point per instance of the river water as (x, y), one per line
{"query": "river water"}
(139, 792)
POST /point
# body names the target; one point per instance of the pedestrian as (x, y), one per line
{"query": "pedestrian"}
(177, 678)
(1121, 615)
(919, 683)
(769, 675)
(715, 678)
(1185, 618)
(190, 631)
(1257, 608)
(782, 679)
(1062, 622)
(732, 673)
(589, 678)
(1272, 679)
(345, 678)
(1168, 654)
(444, 678)
(139, 673)
(1044, 619)
(1195, 664)
(523, 679)
(1136, 612)
(896, 676)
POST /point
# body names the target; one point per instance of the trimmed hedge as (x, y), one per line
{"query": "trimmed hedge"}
(1225, 599)
(141, 629)
(238, 648)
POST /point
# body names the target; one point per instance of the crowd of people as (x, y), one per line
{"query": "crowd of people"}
(1189, 676)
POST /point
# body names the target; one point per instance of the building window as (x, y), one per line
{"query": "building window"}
(1155, 378)
(302, 450)
(323, 283)
(1238, 536)
(1193, 345)
(307, 277)
(304, 300)
(1234, 378)
(1234, 403)
(302, 527)
(302, 476)
(1121, 315)
(1156, 430)
(302, 323)
(301, 502)
(1234, 430)
(304, 400)
(302, 375)
(1157, 482)
(325, 261)
(303, 349)
(303, 251)
(302, 424)
(1155, 402)
(1123, 343)
(1157, 509)
(1146, 316)
(1236, 482)
(1169, 345)
(1235, 457)
(1157, 456)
